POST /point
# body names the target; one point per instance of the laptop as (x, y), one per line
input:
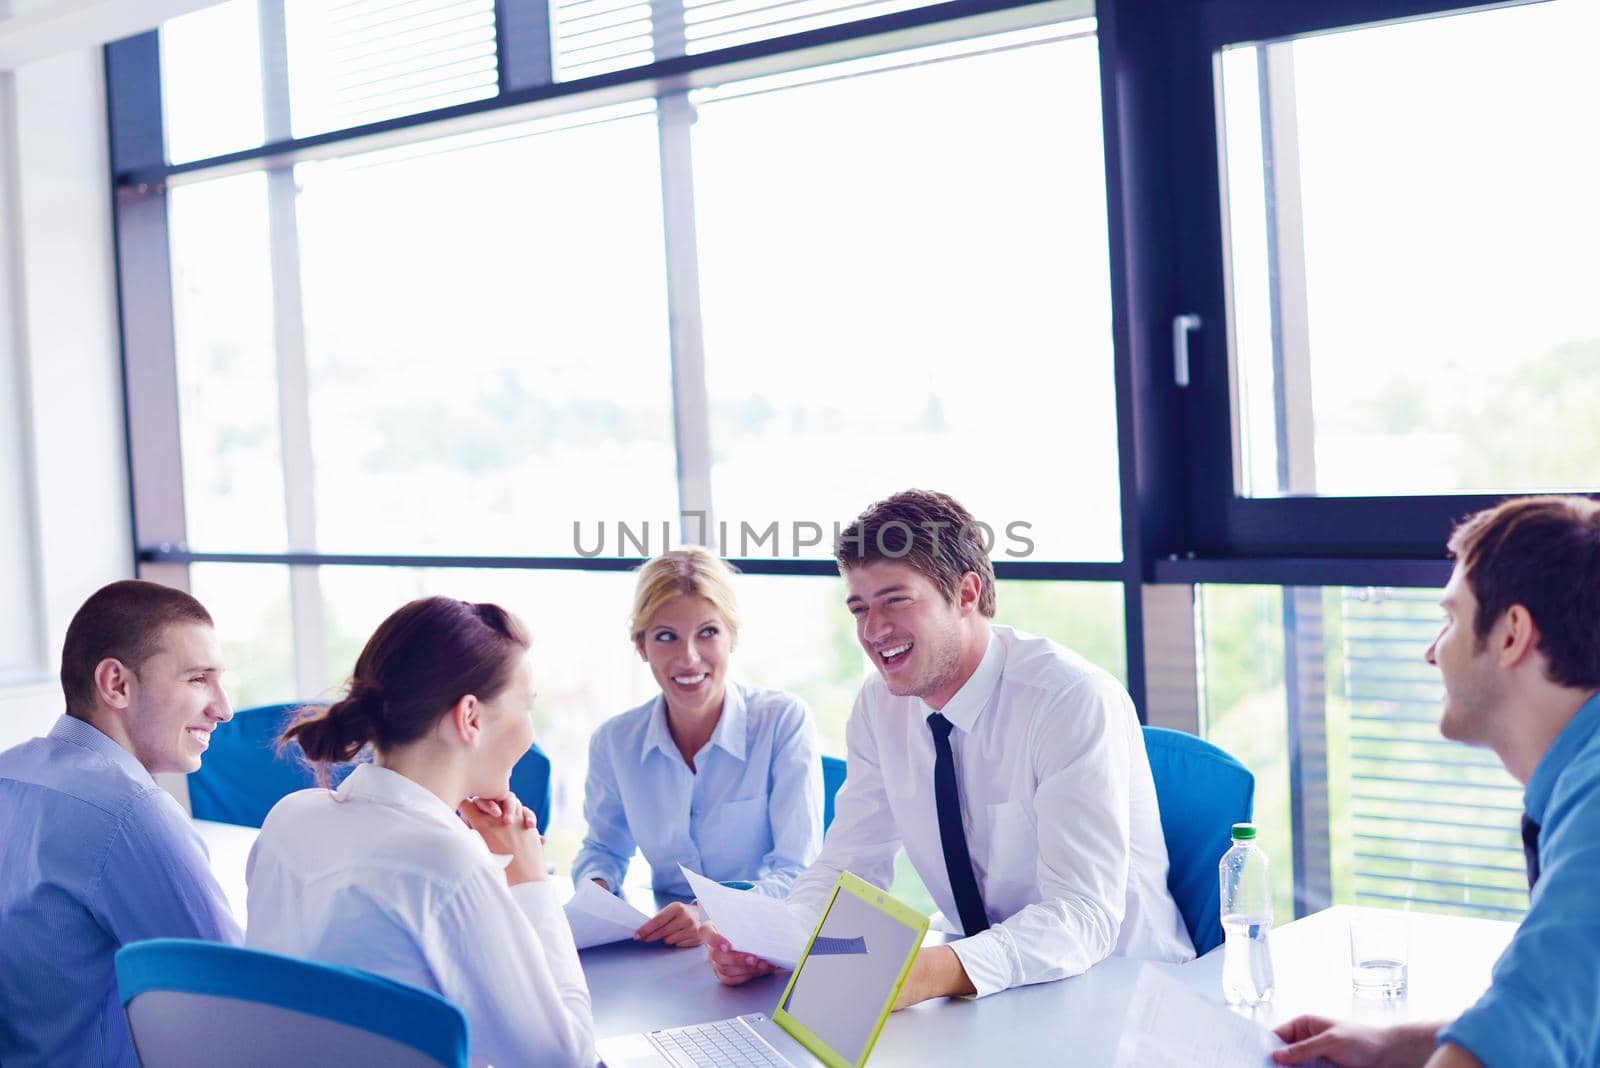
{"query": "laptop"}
(832, 1010)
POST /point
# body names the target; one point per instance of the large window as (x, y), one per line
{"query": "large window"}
(1412, 227)
(530, 267)
(242, 72)
(502, 362)
(1324, 695)
(874, 235)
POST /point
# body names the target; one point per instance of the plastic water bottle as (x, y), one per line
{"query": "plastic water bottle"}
(1246, 920)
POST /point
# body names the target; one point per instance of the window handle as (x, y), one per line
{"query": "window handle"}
(1182, 327)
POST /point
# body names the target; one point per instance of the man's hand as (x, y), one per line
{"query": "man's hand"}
(1350, 1045)
(729, 965)
(676, 925)
(935, 973)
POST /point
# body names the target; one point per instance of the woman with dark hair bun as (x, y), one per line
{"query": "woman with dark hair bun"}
(422, 866)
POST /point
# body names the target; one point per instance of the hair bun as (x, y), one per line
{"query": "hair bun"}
(365, 700)
(337, 733)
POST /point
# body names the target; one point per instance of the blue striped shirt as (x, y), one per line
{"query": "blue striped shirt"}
(752, 809)
(93, 855)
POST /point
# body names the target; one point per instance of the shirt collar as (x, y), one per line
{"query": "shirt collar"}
(1568, 744)
(968, 704)
(80, 732)
(369, 782)
(656, 734)
(729, 734)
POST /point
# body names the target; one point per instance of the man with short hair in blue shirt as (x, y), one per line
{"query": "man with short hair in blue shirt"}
(1519, 654)
(93, 854)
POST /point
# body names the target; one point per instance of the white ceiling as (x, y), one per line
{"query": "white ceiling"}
(32, 30)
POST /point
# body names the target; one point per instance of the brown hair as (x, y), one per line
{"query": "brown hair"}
(125, 621)
(1544, 554)
(689, 572)
(419, 662)
(931, 532)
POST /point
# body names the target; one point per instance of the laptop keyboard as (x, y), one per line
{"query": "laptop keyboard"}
(724, 1044)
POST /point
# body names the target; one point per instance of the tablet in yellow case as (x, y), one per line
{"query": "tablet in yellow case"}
(851, 973)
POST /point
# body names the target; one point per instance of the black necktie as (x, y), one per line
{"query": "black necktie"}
(1530, 849)
(957, 861)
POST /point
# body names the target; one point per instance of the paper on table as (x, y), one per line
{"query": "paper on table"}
(753, 922)
(1168, 1023)
(598, 916)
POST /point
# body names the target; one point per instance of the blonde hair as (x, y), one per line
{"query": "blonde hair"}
(688, 572)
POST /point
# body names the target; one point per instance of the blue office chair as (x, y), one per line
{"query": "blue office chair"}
(530, 781)
(243, 775)
(1202, 792)
(192, 1004)
(832, 778)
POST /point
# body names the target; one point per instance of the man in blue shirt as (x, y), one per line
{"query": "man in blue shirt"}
(93, 854)
(1519, 654)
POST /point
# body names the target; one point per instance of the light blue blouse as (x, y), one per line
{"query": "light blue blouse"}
(752, 812)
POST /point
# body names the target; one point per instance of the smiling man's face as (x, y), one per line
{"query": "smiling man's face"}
(908, 628)
(177, 700)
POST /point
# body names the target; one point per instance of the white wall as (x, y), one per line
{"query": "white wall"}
(31, 30)
(27, 711)
(63, 490)
(21, 628)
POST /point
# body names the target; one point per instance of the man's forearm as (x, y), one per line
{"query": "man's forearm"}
(1412, 1044)
(1451, 1055)
(936, 973)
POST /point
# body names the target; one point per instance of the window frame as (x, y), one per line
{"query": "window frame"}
(1183, 523)
(1356, 539)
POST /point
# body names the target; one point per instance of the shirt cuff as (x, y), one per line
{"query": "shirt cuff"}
(537, 900)
(592, 864)
(1503, 1030)
(989, 960)
(775, 884)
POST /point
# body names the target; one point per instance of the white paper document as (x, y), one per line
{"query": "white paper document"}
(598, 916)
(753, 922)
(1168, 1023)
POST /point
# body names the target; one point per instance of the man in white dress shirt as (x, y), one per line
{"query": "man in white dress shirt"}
(1012, 771)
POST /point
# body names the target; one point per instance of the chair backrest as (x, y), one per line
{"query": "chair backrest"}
(193, 1003)
(243, 775)
(530, 781)
(1202, 792)
(832, 778)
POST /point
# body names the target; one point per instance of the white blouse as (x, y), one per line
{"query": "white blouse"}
(381, 875)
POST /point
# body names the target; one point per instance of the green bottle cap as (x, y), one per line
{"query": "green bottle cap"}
(1243, 832)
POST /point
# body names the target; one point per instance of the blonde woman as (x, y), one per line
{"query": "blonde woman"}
(719, 777)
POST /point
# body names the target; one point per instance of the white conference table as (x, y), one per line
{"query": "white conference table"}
(1075, 1021)
(229, 846)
